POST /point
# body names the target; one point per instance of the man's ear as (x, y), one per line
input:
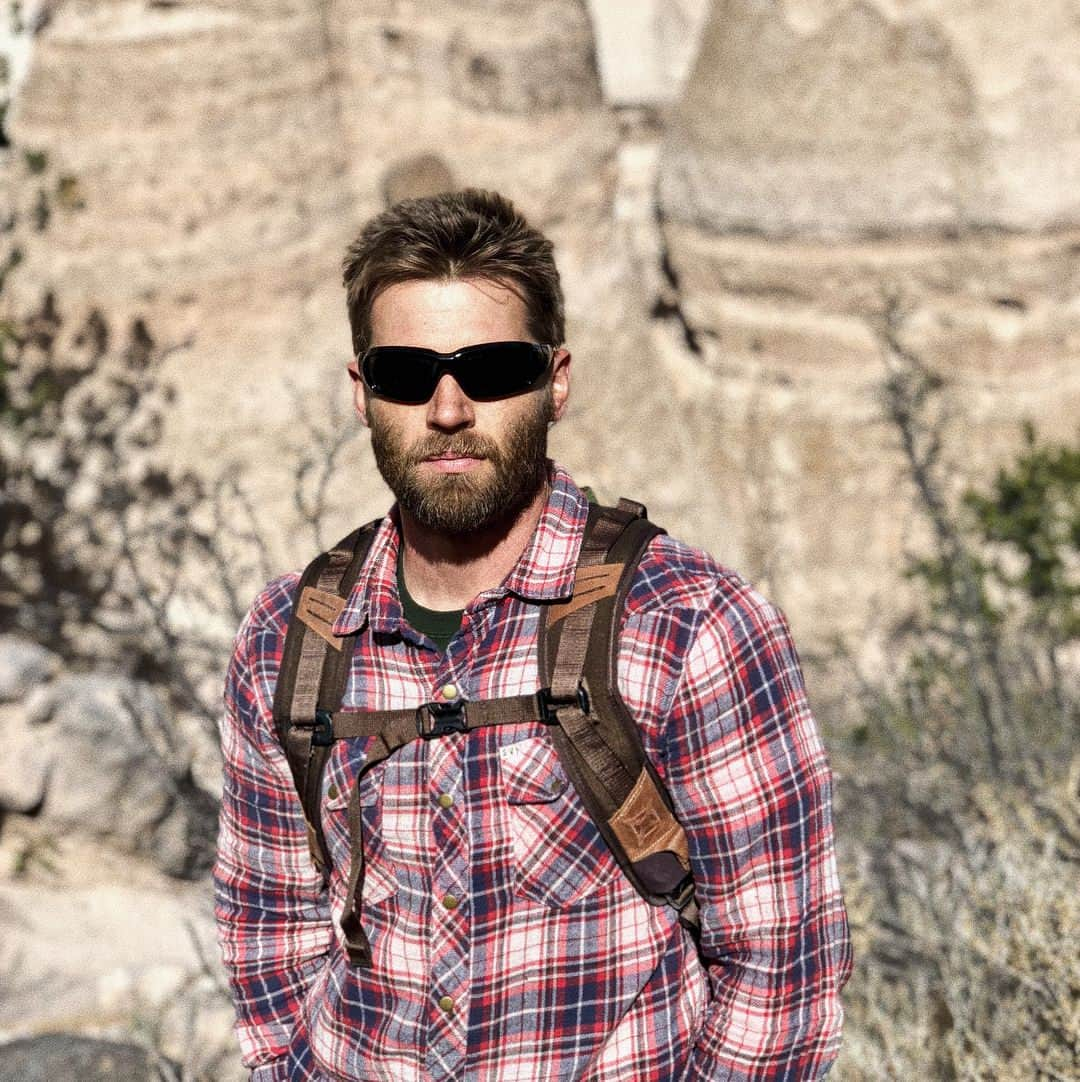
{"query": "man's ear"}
(560, 382)
(359, 392)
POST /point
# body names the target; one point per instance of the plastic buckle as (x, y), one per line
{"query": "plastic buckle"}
(322, 734)
(445, 717)
(549, 707)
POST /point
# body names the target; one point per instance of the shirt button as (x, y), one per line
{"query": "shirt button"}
(449, 901)
(449, 691)
(332, 792)
(445, 800)
(446, 1003)
(555, 785)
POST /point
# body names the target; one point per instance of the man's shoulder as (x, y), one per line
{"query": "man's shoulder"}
(272, 606)
(676, 576)
(271, 609)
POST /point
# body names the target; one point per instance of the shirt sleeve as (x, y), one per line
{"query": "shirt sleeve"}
(751, 784)
(273, 917)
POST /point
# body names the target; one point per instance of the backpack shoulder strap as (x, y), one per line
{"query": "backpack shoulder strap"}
(314, 671)
(597, 737)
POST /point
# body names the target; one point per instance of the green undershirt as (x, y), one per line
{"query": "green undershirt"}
(440, 625)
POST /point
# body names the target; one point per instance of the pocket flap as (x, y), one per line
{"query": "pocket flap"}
(531, 771)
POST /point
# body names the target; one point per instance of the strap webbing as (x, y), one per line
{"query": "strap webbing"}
(393, 729)
(616, 772)
(313, 676)
(601, 747)
(513, 710)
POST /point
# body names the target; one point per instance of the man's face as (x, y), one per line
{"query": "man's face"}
(455, 464)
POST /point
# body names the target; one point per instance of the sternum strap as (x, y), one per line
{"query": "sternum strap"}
(394, 729)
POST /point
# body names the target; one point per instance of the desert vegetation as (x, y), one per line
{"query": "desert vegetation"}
(959, 806)
(123, 578)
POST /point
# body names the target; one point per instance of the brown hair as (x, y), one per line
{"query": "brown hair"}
(465, 234)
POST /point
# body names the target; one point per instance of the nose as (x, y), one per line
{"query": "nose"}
(450, 408)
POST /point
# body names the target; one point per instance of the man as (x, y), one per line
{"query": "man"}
(506, 943)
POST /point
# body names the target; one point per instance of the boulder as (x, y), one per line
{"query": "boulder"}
(105, 945)
(54, 1056)
(105, 763)
(24, 665)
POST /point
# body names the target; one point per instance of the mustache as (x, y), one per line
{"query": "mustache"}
(462, 445)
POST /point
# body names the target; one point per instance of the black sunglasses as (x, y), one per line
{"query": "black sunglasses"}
(487, 371)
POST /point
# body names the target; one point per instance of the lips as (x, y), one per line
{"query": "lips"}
(448, 463)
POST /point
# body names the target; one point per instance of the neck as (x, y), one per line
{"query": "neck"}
(444, 571)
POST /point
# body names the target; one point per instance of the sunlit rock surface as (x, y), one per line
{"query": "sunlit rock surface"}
(875, 116)
(726, 263)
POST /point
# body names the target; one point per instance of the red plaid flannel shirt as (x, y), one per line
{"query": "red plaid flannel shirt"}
(507, 943)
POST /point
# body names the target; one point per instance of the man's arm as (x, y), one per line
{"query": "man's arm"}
(751, 785)
(273, 919)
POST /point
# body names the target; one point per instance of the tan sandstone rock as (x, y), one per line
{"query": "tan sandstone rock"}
(789, 403)
(223, 154)
(724, 280)
(871, 116)
(645, 49)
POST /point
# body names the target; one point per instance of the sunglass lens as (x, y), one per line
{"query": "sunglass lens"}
(500, 369)
(400, 373)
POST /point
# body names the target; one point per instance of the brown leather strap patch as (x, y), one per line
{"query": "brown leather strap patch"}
(319, 609)
(590, 584)
(644, 825)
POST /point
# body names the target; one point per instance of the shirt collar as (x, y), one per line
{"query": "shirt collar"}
(543, 572)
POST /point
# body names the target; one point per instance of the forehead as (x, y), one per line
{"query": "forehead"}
(447, 314)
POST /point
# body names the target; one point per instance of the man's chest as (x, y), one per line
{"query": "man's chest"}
(493, 655)
(490, 810)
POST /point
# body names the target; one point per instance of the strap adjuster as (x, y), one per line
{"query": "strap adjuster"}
(549, 706)
(445, 718)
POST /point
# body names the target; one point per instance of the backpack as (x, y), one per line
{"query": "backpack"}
(593, 732)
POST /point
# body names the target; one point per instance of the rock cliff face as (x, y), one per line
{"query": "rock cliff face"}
(645, 49)
(878, 116)
(727, 263)
(220, 156)
(825, 162)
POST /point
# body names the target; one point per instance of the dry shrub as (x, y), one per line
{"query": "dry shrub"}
(959, 802)
(111, 557)
(971, 960)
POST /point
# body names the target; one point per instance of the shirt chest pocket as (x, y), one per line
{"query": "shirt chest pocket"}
(380, 879)
(559, 855)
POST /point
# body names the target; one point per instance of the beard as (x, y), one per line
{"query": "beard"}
(458, 503)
